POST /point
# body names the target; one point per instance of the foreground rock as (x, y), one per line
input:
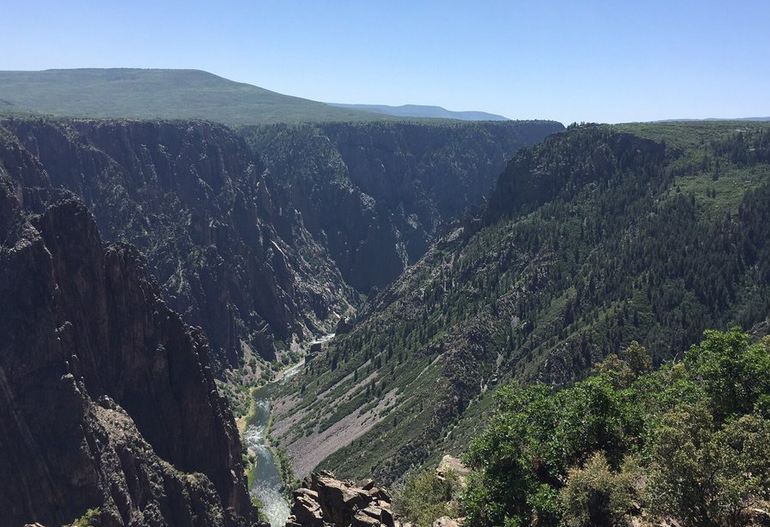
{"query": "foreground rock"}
(326, 501)
(107, 402)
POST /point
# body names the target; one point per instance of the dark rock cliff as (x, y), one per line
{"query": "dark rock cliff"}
(106, 396)
(377, 194)
(260, 259)
(230, 255)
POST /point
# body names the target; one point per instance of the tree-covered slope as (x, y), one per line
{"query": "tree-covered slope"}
(376, 194)
(159, 94)
(596, 237)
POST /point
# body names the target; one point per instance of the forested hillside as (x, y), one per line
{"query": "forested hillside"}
(592, 239)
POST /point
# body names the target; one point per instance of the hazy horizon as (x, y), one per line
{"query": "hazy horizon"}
(570, 63)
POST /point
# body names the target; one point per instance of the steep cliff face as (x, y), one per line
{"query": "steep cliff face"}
(376, 194)
(107, 397)
(260, 260)
(230, 255)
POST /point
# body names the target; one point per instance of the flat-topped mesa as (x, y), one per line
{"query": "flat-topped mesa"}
(107, 401)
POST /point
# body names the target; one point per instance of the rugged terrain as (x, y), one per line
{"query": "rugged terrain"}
(448, 258)
(242, 246)
(229, 254)
(107, 398)
(252, 257)
(377, 194)
(596, 237)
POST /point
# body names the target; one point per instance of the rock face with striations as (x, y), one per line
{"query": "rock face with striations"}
(228, 252)
(106, 397)
(262, 258)
(376, 194)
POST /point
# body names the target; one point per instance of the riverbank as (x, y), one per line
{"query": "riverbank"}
(265, 481)
(268, 470)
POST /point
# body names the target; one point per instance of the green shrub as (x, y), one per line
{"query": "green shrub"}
(709, 476)
(699, 428)
(90, 518)
(595, 495)
(426, 497)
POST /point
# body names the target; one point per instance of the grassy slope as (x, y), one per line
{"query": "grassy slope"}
(716, 195)
(158, 93)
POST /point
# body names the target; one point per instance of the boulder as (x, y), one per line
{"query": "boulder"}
(305, 510)
(327, 501)
(452, 465)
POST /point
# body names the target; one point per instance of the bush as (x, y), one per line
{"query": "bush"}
(707, 476)
(535, 438)
(734, 372)
(700, 429)
(90, 518)
(426, 497)
(597, 496)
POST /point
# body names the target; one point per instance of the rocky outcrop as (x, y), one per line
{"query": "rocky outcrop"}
(106, 397)
(376, 194)
(326, 501)
(229, 253)
(452, 467)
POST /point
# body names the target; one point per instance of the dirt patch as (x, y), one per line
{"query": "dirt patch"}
(308, 451)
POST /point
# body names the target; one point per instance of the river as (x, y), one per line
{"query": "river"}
(267, 484)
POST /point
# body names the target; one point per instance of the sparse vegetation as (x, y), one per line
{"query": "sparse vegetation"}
(285, 469)
(90, 518)
(426, 497)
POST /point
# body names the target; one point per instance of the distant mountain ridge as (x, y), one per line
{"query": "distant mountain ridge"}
(158, 94)
(422, 112)
(715, 119)
(136, 93)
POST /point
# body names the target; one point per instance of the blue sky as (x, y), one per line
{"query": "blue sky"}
(566, 60)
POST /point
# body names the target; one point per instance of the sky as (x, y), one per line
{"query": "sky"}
(551, 59)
